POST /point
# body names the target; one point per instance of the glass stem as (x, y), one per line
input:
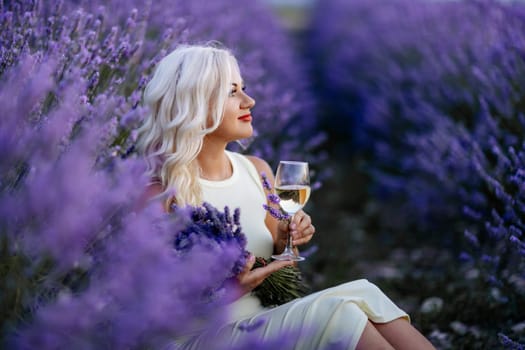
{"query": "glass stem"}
(289, 246)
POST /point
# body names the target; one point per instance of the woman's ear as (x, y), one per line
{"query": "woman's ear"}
(209, 119)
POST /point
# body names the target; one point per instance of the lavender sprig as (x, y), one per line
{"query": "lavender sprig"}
(508, 343)
(265, 182)
(279, 214)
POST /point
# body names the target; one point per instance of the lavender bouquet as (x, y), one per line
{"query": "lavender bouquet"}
(221, 232)
(217, 232)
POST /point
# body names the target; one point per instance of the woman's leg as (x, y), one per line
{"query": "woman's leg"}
(402, 335)
(371, 339)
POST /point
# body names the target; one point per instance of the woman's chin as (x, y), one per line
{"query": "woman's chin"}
(245, 140)
(247, 134)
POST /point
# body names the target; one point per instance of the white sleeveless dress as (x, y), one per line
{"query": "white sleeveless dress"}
(332, 317)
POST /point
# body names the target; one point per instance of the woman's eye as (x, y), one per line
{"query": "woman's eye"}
(235, 89)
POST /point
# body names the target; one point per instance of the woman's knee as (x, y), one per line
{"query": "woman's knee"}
(372, 339)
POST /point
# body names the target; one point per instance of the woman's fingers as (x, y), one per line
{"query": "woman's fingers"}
(262, 272)
(252, 278)
(301, 228)
(305, 236)
(249, 264)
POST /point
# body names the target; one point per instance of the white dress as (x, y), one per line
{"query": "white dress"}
(332, 317)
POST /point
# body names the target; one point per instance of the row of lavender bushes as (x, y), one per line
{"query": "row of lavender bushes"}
(429, 96)
(80, 268)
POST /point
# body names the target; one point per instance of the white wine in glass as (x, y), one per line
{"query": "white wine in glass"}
(292, 185)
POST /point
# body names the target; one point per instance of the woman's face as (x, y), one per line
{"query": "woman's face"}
(237, 119)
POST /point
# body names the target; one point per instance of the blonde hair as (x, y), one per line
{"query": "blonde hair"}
(186, 98)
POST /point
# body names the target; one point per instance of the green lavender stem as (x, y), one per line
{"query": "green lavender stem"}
(281, 286)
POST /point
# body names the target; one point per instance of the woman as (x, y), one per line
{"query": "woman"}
(198, 106)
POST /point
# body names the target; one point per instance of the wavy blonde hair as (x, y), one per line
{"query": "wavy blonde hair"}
(186, 98)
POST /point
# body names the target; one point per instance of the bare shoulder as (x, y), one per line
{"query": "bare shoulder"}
(151, 191)
(261, 165)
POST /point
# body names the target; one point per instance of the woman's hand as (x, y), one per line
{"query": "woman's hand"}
(249, 279)
(300, 227)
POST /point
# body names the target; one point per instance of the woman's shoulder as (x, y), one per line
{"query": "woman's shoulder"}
(255, 166)
(151, 191)
(260, 164)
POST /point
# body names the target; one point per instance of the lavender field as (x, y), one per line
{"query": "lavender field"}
(410, 112)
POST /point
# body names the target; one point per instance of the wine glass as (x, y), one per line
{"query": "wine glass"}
(292, 185)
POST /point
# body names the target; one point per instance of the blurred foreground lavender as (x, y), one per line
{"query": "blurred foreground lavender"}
(431, 95)
(79, 268)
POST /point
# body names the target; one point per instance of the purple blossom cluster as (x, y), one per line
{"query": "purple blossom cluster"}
(509, 343)
(82, 268)
(138, 292)
(430, 94)
(102, 67)
(75, 257)
(274, 199)
(215, 230)
(404, 87)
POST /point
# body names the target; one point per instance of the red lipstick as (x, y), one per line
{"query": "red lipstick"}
(246, 118)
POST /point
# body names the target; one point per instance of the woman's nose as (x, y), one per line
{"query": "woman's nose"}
(247, 102)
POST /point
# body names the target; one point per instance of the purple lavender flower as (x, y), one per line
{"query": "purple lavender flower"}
(266, 184)
(509, 343)
(92, 273)
(428, 93)
(210, 228)
(274, 199)
(276, 213)
(249, 327)
(136, 274)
